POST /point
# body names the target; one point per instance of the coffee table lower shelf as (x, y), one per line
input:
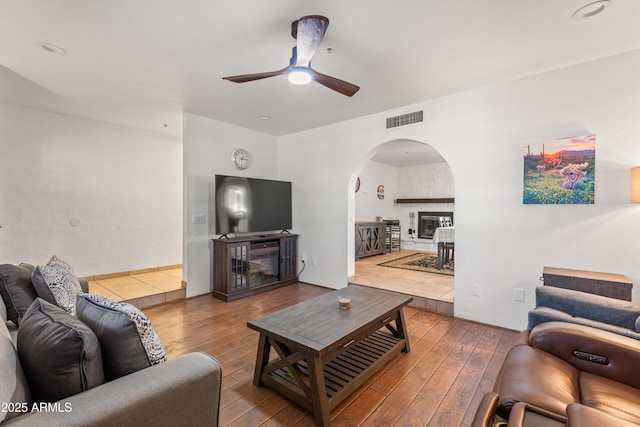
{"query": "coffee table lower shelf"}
(343, 374)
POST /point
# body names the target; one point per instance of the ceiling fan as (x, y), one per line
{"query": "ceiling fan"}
(308, 32)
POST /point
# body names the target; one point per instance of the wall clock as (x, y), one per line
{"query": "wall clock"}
(240, 158)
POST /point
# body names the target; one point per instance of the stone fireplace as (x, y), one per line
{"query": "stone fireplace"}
(429, 221)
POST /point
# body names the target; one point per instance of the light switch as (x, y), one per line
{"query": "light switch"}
(199, 218)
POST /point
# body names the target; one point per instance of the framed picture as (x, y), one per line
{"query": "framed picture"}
(560, 171)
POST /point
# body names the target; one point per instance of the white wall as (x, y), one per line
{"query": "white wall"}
(426, 181)
(368, 205)
(207, 152)
(123, 185)
(500, 243)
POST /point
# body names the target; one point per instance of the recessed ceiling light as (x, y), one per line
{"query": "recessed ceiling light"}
(52, 48)
(591, 9)
(264, 117)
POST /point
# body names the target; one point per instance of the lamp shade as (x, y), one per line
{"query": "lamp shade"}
(635, 184)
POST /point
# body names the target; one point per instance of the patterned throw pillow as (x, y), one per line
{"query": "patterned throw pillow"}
(128, 341)
(56, 283)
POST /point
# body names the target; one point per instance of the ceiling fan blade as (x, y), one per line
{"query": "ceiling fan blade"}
(311, 31)
(242, 78)
(345, 88)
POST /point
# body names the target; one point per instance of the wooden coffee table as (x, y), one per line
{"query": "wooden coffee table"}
(325, 353)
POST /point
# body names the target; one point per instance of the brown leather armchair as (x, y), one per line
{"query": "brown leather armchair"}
(566, 370)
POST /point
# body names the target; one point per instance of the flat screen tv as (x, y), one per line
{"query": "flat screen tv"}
(251, 205)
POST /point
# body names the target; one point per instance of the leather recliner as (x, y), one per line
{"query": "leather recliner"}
(566, 374)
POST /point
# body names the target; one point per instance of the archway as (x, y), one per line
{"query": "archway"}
(399, 181)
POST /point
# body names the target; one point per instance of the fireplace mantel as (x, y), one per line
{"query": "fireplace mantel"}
(437, 200)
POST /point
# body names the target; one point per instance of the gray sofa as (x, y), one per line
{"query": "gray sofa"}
(565, 305)
(181, 391)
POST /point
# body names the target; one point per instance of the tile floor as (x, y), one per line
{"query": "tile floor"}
(143, 289)
(431, 291)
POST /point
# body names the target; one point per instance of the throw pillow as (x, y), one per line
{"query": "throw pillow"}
(57, 284)
(638, 324)
(129, 342)
(60, 355)
(16, 290)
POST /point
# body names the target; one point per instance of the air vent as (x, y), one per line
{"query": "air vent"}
(405, 119)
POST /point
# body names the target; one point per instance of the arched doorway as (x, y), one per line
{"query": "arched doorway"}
(405, 187)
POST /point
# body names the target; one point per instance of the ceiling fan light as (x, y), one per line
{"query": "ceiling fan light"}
(299, 76)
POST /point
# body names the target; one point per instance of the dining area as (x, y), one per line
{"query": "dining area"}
(444, 241)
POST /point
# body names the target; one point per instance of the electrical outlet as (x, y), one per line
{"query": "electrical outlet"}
(475, 290)
(518, 295)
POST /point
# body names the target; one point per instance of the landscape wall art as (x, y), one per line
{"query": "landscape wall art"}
(560, 171)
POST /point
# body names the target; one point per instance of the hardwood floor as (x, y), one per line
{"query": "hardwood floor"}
(451, 365)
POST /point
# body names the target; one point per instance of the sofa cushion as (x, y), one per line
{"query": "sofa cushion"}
(538, 378)
(584, 416)
(610, 396)
(545, 314)
(14, 390)
(60, 354)
(588, 306)
(618, 355)
(129, 342)
(16, 290)
(3, 311)
(57, 284)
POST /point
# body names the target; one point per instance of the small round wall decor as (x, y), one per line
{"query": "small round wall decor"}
(240, 158)
(380, 192)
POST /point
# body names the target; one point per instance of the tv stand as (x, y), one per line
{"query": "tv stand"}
(244, 266)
